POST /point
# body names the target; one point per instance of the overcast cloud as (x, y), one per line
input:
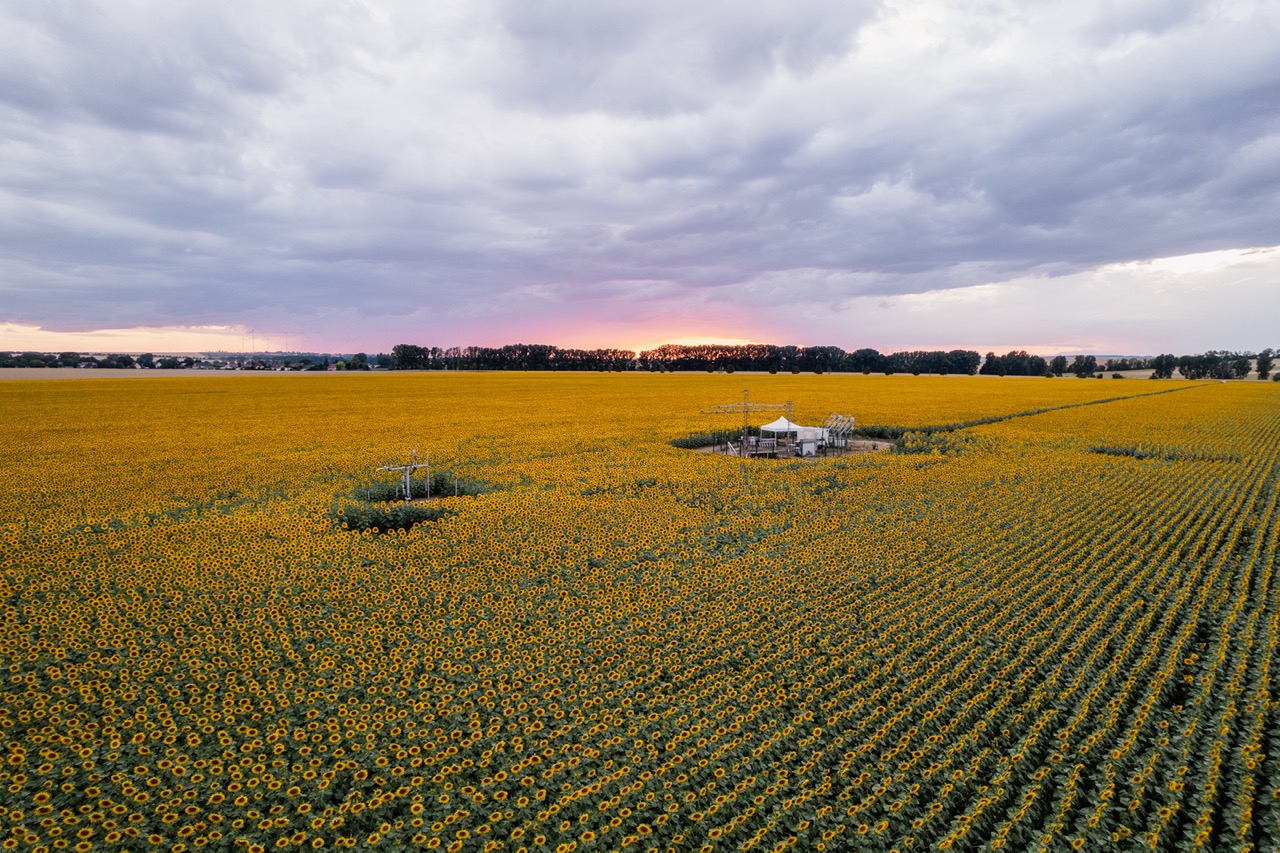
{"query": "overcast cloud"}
(357, 174)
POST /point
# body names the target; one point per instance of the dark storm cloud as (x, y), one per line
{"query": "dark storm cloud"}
(255, 163)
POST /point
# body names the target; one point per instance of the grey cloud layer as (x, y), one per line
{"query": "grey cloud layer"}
(168, 163)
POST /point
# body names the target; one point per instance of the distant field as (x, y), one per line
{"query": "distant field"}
(1052, 630)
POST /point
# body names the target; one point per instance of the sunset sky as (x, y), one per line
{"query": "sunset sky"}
(339, 176)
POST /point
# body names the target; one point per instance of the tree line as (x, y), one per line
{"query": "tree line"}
(150, 361)
(74, 359)
(509, 357)
(677, 357)
(1214, 364)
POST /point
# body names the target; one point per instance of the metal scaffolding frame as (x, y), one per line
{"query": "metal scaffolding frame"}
(747, 407)
(407, 473)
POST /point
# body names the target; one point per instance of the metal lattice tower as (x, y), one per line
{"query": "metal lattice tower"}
(747, 407)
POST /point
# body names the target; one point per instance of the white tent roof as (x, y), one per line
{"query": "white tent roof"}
(781, 425)
(803, 433)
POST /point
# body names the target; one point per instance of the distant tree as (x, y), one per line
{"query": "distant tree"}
(1216, 364)
(68, 359)
(1163, 366)
(788, 358)
(36, 359)
(898, 362)
(917, 362)
(147, 360)
(865, 361)
(964, 361)
(408, 357)
(1207, 365)
(1020, 363)
(1240, 365)
(1058, 365)
(1084, 366)
(822, 358)
(168, 363)
(1266, 360)
(359, 361)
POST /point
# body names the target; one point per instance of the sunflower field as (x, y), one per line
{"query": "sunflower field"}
(1048, 622)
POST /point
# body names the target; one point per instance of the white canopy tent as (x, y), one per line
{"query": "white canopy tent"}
(802, 433)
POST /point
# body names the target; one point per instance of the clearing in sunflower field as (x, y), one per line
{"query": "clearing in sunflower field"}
(1051, 625)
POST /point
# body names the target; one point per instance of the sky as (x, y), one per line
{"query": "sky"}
(1079, 176)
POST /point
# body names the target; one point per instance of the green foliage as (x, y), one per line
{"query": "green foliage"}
(387, 517)
(1163, 366)
(1265, 361)
(1084, 366)
(443, 484)
(1016, 363)
(1215, 364)
(380, 505)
